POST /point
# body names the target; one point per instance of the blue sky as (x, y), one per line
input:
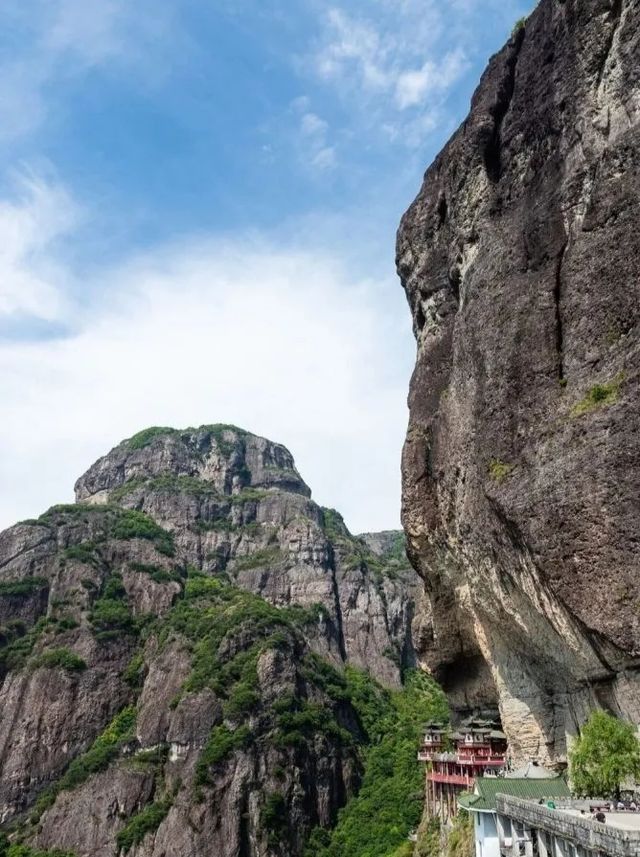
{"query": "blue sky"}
(198, 204)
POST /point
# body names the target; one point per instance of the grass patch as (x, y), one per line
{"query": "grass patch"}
(599, 396)
(63, 659)
(146, 821)
(499, 470)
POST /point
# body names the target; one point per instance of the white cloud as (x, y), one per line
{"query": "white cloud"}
(63, 39)
(395, 62)
(412, 87)
(274, 337)
(312, 125)
(30, 222)
(314, 150)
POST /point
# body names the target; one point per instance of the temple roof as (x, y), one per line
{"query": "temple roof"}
(486, 789)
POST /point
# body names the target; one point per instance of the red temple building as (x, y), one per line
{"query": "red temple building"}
(477, 748)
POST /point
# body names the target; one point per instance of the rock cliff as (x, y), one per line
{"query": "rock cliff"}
(171, 650)
(520, 259)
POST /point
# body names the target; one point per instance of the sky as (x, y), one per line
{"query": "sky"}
(198, 206)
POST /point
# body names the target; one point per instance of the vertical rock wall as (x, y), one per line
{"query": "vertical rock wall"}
(520, 259)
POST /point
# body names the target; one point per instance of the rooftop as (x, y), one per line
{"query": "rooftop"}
(486, 789)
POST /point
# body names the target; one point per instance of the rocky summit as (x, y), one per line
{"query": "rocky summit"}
(172, 650)
(520, 259)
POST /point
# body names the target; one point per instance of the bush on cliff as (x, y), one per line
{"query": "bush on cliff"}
(606, 753)
(375, 823)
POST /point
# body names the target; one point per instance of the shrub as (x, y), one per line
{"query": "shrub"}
(26, 851)
(599, 396)
(19, 643)
(273, 817)
(146, 821)
(606, 753)
(60, 659)
(157, 573)
(111, 611)
(499, 470)
(222, 742)
(147, 436)
(22, 588)
(131, 524)
(135, 671)
(84, 552)
(519, 25)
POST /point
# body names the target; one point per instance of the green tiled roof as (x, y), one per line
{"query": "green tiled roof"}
(529, 789)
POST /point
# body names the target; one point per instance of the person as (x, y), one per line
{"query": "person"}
(633, 806)
(601, 817)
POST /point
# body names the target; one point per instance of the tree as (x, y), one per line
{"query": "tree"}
(606, 753)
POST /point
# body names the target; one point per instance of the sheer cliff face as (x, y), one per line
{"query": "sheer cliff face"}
(168, 649)
(520, 259)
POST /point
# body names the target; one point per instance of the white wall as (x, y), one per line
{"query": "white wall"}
(486, 835)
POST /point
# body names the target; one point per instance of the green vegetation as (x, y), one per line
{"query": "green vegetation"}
(16, 642)
(98, 757)
(22, 588)
(260, 559)
(17, 850)
(499, 470)
(273, 817)
(376, 821)
(146, 821)
(110, 614)
(599, 396)
(519, 25)
(606, 753)
(221, 743)
(84, 552)
(135, 671)
(117, 523)
(130, 524)
(334, 525)
(60, 659)
(460, 842)
(147, 436)
(428, 842)
(157, 573)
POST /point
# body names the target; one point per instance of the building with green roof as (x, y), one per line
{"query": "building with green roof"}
(482, 804)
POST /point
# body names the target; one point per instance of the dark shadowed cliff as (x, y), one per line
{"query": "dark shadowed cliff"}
(520, 259)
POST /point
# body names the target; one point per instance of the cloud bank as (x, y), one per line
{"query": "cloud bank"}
(277, 338)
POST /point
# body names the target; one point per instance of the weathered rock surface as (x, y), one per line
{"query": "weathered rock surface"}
(235, 503)
(168, 649)
(520, 259)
